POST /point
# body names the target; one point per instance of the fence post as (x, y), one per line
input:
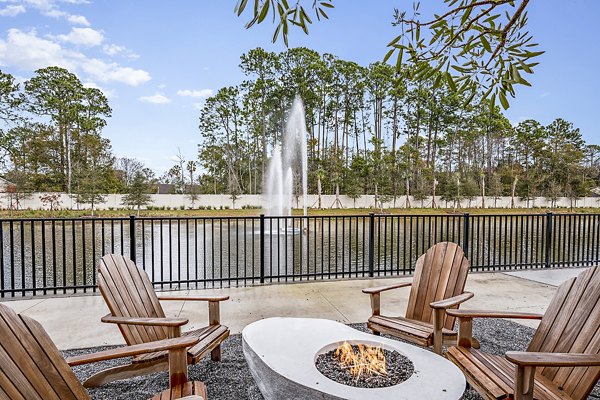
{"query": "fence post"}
(466, 234)
(132, 241)
(371, 243)
(262, 248)
(547, 260)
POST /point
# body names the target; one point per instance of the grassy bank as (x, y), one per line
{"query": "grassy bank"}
(256, 212)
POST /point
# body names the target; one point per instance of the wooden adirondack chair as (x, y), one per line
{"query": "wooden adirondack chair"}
(438, 284)
(32, 368)
(136, 309)
(562, 360)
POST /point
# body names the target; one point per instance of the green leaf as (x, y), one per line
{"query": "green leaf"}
(241, 6)
(393, 42)
(303, 13)
(503, 100)
(388, 54)
(276, 34)
(264, 11)
(492, 102)
(450, 81)
(399, 59)
(485, 44)
(470, 98)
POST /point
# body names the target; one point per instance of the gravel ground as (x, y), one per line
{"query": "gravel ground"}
(230, 379)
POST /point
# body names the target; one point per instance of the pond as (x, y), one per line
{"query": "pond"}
(41, 256)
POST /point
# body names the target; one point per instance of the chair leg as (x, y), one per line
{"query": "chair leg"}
(125, 372)
(215, 354)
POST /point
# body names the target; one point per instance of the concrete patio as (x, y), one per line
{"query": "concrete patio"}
(74, 322)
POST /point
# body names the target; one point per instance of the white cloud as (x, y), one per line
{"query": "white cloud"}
(50, 9)
(27, 51)
(114, 50)
(78, 20)
(105, 72)
(202, 93)
(156, 98)
(83, 37)
(107, 92)
(12, 10)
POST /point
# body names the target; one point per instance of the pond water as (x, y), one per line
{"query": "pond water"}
(215, 252)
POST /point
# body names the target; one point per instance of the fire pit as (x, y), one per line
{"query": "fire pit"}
(361, 364)
(283, 354)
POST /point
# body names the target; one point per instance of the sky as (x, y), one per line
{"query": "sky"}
(158, 60)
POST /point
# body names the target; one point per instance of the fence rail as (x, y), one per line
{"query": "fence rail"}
(58, 256)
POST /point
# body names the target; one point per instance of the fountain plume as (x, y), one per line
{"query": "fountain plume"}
(289, 163)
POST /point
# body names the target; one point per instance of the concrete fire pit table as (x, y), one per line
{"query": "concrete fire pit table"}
(281, 354)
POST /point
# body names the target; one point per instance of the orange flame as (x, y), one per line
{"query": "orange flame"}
(368, 360)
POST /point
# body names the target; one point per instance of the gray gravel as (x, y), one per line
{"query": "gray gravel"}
(230, 379)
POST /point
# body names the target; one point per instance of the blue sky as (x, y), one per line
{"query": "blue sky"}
(157, 60)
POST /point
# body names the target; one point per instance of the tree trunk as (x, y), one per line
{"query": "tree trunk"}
(407, 182)
(512, 192)
(319, 204)
(482, 190)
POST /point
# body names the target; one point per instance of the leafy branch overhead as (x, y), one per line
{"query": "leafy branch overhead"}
(478, 47)
(284, 15)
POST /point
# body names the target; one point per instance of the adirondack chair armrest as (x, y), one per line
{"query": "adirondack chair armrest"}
(439, 309)
(465, 321)
(134, 350)
(168, 322)
(375, 294)
(527, 362)
(452, 301)
(493, 314)
(379, 289)
(214, 313)
(194, 298)
(535, 359)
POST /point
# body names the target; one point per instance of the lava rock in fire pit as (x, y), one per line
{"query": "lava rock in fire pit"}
(399, 369)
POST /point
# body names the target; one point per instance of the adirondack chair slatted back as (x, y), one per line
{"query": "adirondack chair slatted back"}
(440, 273)
(31, 367)
(571, 324)
(128, 292)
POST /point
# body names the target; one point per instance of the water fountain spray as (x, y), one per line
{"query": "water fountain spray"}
(289, 162)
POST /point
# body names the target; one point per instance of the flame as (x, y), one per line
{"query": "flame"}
(367, 360)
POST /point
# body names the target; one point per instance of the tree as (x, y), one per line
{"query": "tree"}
(10, 100)
(76, 114)
(51, 200)
(476, 46)
(138, 190)
(127, 169)
(89, 188)
(192, 191)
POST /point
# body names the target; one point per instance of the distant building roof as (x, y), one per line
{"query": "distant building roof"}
(596, 192)
(165, 188)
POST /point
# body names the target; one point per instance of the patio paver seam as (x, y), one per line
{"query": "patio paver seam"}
(346, 319)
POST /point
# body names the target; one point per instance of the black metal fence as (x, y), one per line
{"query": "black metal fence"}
(59, 256)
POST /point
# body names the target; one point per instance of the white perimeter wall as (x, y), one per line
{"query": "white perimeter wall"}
(176, 201)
